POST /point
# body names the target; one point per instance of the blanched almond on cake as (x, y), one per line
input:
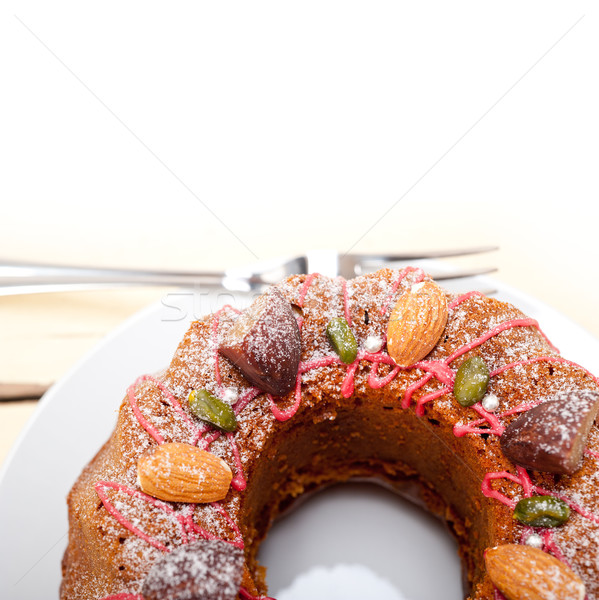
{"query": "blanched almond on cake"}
(183, 473)
(416, 323)
(525, 573)
(264, 343)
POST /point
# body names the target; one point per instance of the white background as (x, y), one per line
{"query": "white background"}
(202, 134)
(211, 134)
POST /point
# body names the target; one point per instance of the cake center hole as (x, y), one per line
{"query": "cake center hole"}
(359, 540)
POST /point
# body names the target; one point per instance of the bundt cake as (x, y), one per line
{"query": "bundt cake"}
(322, 380)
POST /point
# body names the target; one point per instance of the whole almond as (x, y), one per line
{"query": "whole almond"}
(525, 573)
(183, 473)
(416, 323)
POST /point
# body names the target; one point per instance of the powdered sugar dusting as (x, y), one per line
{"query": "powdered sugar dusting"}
(525, 370)
(210, 570)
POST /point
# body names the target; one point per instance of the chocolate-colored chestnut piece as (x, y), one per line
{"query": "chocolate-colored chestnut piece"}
(264, 343)
(203, 570)
(551, 436)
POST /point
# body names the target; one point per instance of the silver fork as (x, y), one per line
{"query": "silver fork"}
(27, 278)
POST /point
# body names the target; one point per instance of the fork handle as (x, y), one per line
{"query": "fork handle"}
(15, 277)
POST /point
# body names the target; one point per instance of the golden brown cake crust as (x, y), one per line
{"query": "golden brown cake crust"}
(368, 419)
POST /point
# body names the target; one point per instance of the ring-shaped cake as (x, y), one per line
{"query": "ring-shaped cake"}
(460, 400)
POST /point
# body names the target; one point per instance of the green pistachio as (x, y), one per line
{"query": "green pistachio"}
(342, 339)
(542, 511)
(471, 381)
(208, 407)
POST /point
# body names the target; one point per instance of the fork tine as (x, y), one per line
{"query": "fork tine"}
(461, 273)
(422, 254)
(450, 273)
(358, 264)
(21, 278)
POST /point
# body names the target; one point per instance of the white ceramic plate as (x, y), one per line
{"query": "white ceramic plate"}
(394, 543)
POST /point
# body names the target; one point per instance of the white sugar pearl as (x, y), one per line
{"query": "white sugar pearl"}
(534, 540)
(417, 287)
(230, 396)
(490, 402)
(373, 344)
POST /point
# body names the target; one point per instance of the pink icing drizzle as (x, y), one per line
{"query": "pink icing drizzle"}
(446, 376)
(163, 506)
(440, 370)
(247, 596)
(242, 592)
(374, 381)
(284, 415)
(400, 277)
(188, 528)
(490, 421)
(528, 490)
(304, 289)
(521, 479)
(239, 483)
(145, 423)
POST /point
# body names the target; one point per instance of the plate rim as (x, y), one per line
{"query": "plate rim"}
(145, 315)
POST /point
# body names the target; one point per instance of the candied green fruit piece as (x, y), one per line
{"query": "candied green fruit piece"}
(207, 407)
(542, 511)
(471, 381)
(342, 339)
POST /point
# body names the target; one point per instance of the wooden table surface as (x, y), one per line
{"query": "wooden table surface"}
(44, 335)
